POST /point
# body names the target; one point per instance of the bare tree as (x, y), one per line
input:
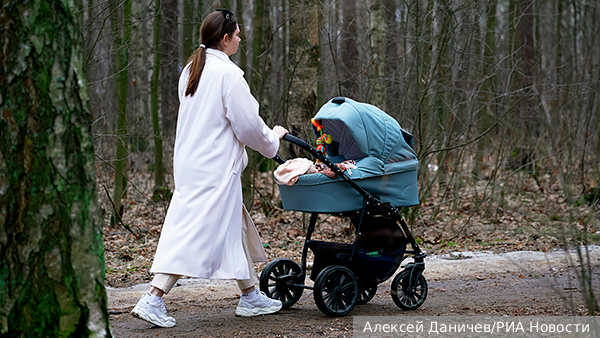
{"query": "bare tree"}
(122, 42)
(158, 142)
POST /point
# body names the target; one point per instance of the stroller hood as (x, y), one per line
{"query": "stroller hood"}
(365, 133)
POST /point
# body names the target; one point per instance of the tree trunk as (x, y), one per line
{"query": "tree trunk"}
(169, 68)
(257, 40)
(158, 142)
(320, 54)
(121, 61)
(349, 50)
(513, 61)
(198, 21)
(51, 251)
(376, 72)
(527, 52)
(243, 50)
(390, 55)
(255, 84)
(558, 51)
(188, 29)
(486, 89)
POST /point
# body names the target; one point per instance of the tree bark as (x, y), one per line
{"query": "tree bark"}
(51, 251)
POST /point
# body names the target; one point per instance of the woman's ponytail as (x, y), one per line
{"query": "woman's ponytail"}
(197, 59)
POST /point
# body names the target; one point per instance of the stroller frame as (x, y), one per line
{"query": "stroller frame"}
(337, 289)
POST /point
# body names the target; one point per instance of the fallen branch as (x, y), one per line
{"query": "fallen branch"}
(118, 215)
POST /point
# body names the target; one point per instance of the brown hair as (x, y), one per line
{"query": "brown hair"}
(213, 29)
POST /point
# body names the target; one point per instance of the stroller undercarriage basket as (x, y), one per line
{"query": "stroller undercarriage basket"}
(379, 251)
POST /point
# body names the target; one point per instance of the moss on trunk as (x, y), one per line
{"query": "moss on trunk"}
(51, 251)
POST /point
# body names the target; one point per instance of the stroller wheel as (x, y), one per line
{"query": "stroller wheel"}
(275, 281)
(405, 298)
(366, 292)
(336, 291)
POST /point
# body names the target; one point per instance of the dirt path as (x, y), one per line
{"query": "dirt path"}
(466, 283)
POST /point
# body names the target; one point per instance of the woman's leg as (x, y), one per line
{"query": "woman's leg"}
(247, 285)
(252, 302)
(162, 283)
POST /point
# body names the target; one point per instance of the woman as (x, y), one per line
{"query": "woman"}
(207, 232)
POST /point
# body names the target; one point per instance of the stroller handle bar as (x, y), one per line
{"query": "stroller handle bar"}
(299, 142)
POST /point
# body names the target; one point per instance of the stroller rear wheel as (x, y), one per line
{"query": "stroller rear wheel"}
(403, 296)
(275, 280)
(366, 292)
(336, 291)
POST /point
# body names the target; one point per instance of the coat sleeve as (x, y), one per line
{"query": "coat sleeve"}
(241, 109)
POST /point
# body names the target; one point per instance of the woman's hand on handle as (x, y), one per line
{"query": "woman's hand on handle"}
(281, 131)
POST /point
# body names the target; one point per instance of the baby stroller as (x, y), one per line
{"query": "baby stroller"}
(385, 178)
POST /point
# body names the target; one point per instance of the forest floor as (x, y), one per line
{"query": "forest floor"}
(536, 223)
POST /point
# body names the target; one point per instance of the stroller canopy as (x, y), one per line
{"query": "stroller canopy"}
(365, 133)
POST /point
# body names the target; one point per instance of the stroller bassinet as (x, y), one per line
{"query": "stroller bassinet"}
(385, 177)
(387, 164)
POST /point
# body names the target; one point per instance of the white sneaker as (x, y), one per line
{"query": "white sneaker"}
(260, 305)
(154, 313)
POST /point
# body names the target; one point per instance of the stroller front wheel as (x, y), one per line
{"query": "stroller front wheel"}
(276, 279)
(405, 297)
(336, 291)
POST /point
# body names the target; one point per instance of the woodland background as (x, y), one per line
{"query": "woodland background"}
(501, 97)
(490, 89)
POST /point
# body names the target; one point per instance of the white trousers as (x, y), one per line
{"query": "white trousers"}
(165, 282)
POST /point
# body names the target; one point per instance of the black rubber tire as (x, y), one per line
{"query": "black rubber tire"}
(404, 299)
(275, 279)
(366, 292)
(336, 291)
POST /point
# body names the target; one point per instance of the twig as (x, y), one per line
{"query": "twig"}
(118, 215)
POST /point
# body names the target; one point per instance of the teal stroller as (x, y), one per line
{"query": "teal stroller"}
(384, 179)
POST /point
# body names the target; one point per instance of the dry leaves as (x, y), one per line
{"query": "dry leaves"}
(526, 222)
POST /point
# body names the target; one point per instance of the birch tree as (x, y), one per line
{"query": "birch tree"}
(51, 251)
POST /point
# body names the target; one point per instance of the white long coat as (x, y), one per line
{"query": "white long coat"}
(202, 233)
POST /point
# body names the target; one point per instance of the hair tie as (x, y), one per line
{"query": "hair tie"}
(202, 46)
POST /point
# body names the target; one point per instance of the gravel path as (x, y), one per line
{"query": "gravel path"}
(519, 283)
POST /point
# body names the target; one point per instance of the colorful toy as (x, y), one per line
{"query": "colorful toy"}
(323, 139)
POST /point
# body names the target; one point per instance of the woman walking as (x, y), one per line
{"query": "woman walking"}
(207, 232)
